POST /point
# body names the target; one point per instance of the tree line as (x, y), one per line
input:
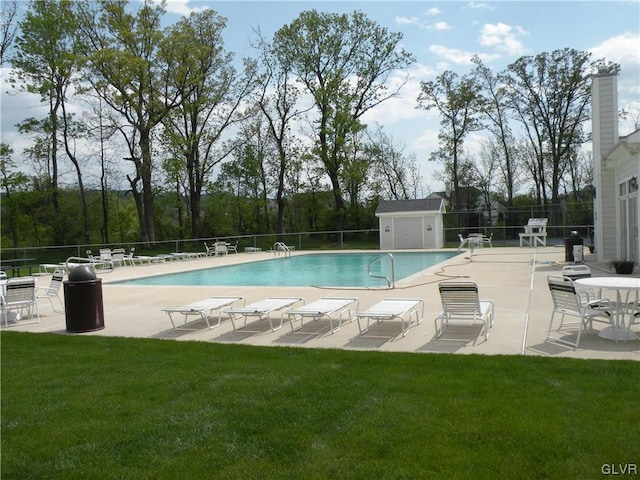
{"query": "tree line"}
(218, 145)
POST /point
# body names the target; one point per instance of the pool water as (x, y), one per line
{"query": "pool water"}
(321, 269)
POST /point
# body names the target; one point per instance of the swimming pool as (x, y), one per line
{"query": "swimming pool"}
(316, 269)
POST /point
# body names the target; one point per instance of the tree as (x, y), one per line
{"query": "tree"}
(46, 60)
(495, 110)
(344, 61)
(8, 26)
(130, 73)
(551, 95)
(459, 102)
(393, 175)
(280, 111)
(212, 97)
(10, 182)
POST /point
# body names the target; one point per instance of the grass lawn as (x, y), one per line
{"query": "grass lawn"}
(90, 407)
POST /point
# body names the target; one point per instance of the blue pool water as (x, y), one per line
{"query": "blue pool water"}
(321, 269)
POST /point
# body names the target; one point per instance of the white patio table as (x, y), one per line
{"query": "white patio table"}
(624, 287)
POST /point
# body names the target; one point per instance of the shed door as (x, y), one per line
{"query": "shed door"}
(407, 232)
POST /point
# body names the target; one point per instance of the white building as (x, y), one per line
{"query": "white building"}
(616, 172)
(411, 223)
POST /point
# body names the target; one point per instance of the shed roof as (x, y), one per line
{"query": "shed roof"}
(420, 205)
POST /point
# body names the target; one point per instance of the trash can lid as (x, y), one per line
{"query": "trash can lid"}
(574, 234)
(82, 273)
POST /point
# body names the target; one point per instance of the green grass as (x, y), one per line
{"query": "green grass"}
(89, 407)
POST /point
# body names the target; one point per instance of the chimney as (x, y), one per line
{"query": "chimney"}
(604, 109)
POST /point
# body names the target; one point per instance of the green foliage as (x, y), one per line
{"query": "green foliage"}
(154, 409)
(35, 217)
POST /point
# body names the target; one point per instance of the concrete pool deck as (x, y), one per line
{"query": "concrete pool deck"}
(514, 278)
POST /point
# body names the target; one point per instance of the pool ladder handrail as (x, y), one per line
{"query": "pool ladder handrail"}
(106, 266)
(391, 283)
(281, 247)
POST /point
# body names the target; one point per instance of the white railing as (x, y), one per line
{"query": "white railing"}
(105, 266)
(281, 247)
(391, 282)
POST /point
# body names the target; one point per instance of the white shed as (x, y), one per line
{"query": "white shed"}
(411, 223)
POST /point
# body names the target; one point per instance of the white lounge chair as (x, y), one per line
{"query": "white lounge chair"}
(566, 301)
(262, 309)
(19, 296)
(53, 290)
(322, 308)
(461, 304)
(204, 308)
(391, 309)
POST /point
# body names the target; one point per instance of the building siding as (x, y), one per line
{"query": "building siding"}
(604, 101)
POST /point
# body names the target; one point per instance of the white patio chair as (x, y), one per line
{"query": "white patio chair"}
(392, 309)
(53, 290)
(231, 247)
(220, 248)
(203, 308)
(105, 256)
(262, 310)
(567, 302)
(576, 271)
(461, 304)
(118, 257)
(322, 308)
(130, 257)
(463, 242)
(209, 250)
(20, 297)
(588, 297)
(488, 240)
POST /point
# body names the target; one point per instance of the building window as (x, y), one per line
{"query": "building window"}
(623, 189)
(628, 238)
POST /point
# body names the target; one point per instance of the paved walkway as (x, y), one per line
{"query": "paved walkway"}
(514, 278)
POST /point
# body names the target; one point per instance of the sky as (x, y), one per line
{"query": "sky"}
(442, 36)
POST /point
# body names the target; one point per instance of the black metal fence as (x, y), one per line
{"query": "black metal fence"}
(27, 260)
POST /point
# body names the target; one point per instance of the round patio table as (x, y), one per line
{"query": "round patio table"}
(621, 285)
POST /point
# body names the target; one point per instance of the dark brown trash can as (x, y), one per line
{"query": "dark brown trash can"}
(83, 301)
(569, 242)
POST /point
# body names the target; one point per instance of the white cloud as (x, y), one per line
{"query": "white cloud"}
(622, 49)
(479, 6)
(407, 20)
(460, 57)
(503, 38)
(418, 22)
(441, 26)
(181, 7)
